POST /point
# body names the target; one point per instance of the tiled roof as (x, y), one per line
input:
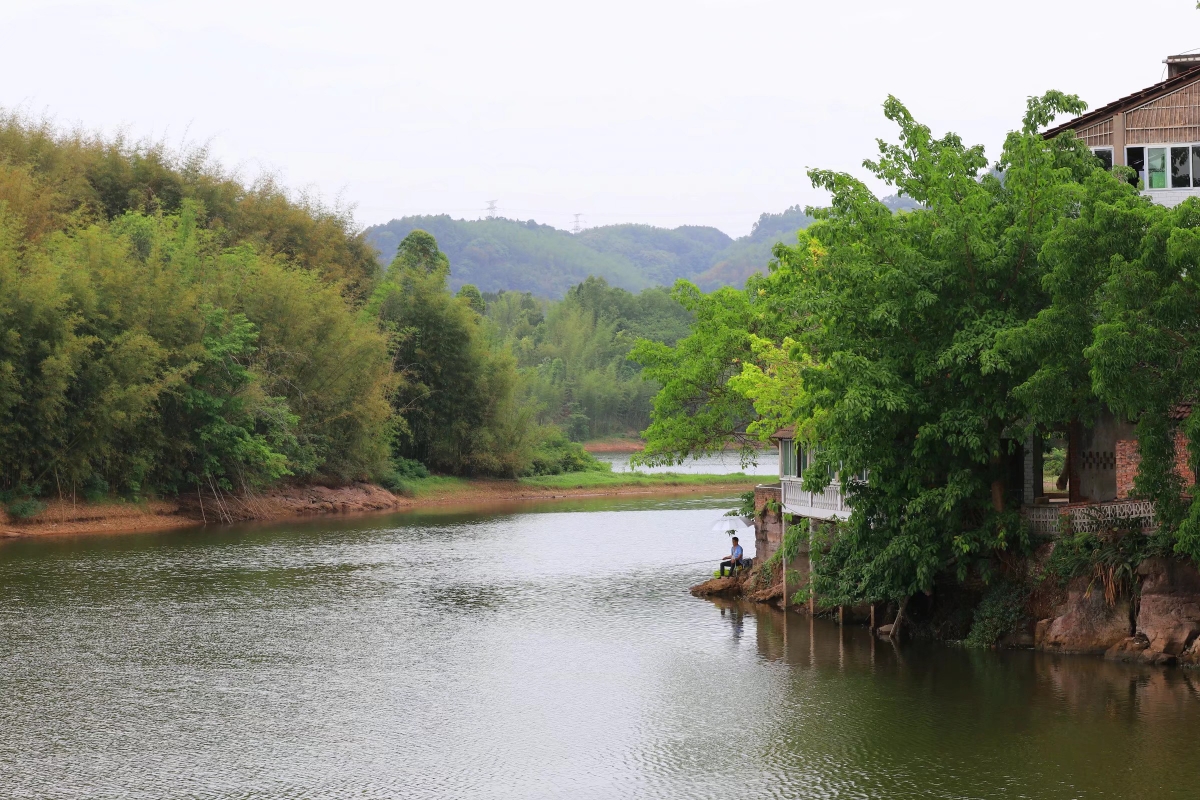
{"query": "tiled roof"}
(1150, 93)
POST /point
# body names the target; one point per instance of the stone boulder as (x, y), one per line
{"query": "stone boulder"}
(719, 587)
(1136, 650)
(1169, 612)
(1191, 656)
(1084, 623)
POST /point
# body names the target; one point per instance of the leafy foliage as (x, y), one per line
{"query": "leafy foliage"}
(165, 327)
(457, 394)
(998, 613)
(572, 354)
(696, 412)
(914, 342)
(26, 508)
(142, 355)
(557, 454)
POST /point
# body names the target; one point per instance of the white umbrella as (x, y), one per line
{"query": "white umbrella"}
(735, 524)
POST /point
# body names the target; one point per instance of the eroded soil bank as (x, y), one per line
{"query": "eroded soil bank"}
(1156, 622)
(69, 517)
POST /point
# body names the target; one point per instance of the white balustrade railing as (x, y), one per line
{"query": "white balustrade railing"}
(827, 503)
(1051, 520)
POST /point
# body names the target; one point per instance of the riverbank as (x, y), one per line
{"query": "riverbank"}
(78, 517)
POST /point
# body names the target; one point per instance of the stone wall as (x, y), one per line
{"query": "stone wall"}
(768, 525)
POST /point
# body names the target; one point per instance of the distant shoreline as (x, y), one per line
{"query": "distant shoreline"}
(79, 518)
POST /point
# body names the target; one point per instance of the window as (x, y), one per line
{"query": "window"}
(1105, 154)
(1195, 165)
(787, 452)
(1156, 167)
(1135, 159)
(1181, 167)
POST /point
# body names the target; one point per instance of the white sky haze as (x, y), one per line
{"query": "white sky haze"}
(669, 113)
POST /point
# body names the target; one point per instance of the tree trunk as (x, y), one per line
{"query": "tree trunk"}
(895, 634)
(997, 483)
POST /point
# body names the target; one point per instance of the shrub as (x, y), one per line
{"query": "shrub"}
(96, 489)
(998, 613)
(557, 454)
(409, 468)
(395, 483)
(25, 509)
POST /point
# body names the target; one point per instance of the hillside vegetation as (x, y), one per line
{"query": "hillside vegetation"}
(168, 329)
(510, 255)
(572, 354)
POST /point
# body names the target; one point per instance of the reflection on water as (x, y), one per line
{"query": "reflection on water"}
(545, 653)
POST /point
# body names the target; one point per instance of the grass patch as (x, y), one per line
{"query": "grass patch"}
(437, 484)
(606, 480)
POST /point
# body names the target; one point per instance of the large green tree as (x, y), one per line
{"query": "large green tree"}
(457, 392)
(895, 340)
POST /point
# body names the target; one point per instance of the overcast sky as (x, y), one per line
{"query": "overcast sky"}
(656, 111)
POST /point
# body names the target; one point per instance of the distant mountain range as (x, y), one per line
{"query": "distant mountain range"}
(504, 254)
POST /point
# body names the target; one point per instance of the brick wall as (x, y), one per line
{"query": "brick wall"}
(1128, 459)
(768, 526)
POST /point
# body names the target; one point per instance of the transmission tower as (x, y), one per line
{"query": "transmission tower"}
(576, 228)
(491, 209)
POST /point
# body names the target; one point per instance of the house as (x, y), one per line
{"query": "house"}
(1101, 463)
(1155, 131)
(790, 497)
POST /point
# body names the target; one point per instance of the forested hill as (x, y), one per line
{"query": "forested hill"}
(511, 255)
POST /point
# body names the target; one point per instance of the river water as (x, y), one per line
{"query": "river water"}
(537, 651)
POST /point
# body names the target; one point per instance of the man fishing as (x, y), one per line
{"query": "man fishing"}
(734, 559)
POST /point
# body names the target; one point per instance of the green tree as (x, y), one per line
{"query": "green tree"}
(893, 341)
(457, 392)
(696, 411)
(472, 297)
(905, 312)
(1145, 357)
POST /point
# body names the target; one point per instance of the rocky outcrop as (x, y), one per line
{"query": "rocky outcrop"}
(1169, 611)
(720, 587)
(303, 500)
(1191, 656)
(1168, 618)
(1084, 623)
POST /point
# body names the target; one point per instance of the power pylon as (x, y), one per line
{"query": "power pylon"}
(491, 209)
(576, 228)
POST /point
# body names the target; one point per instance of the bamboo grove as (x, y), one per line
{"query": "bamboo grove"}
(167, 328)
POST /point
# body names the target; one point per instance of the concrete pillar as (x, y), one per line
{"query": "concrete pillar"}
(1031, 485)
(1118, 139)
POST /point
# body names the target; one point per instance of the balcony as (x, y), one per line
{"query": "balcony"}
(828, 503)
(1056, 519)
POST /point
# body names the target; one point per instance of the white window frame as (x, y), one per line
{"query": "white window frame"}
(1144, 175)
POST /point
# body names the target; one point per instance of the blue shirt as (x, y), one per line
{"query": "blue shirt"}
(736, 552)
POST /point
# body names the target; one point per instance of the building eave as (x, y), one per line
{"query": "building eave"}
(1127, 103)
